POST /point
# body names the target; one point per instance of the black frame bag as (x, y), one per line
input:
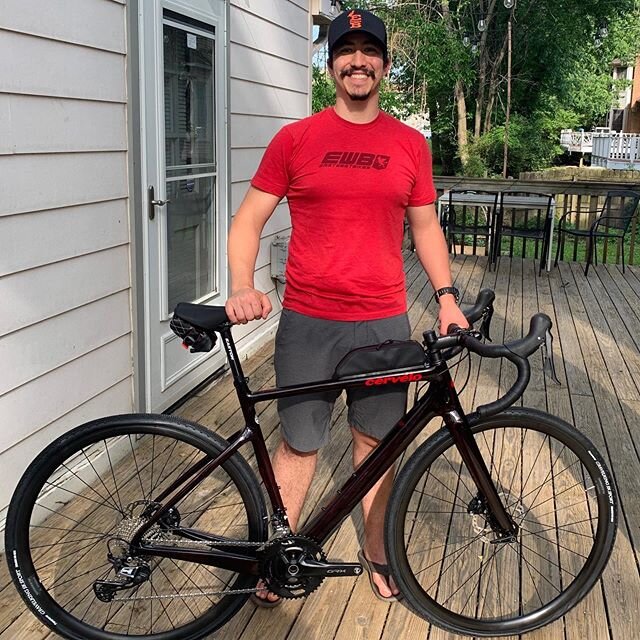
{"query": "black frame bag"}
(391, 355)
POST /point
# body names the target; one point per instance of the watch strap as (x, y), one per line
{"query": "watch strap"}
(445, 290)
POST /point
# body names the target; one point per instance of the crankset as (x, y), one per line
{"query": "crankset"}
(294, 566)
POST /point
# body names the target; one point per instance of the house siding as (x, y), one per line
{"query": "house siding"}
(65, 229)
(269, 88)
(65, 279)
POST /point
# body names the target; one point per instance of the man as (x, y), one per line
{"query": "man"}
(349, 174)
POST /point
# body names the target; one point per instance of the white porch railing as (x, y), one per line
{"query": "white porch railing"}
(576, 141)
(616, 150)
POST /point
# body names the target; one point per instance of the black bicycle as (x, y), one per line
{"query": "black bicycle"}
(152, 526)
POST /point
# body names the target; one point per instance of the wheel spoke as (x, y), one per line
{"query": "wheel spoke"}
(547, 480)
(105, 482)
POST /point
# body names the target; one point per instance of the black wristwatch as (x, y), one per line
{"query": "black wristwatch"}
(445, 290)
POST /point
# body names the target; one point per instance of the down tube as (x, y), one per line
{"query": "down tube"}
(374, 467)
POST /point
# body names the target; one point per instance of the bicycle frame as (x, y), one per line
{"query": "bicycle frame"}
(441, 399)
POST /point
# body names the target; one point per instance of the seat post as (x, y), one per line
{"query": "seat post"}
(239, 379)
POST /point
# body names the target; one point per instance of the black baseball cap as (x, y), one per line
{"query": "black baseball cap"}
(357, 21)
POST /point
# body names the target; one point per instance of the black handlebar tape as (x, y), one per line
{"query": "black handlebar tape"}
(540, 324)
(512, 395)
(474, 313)
(517, 352)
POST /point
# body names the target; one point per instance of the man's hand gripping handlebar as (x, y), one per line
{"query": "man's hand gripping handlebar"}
(516, 351)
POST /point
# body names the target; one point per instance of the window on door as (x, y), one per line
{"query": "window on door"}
(190, 148)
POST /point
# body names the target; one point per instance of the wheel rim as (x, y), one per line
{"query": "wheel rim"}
(555, 499)
(89, 504)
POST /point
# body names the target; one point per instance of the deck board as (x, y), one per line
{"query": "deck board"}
(597, 357)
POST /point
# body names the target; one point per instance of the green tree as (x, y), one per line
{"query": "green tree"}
(559, 77)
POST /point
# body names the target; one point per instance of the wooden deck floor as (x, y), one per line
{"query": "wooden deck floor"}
(597, 355)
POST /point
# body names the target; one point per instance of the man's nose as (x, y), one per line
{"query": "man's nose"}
(358, 59)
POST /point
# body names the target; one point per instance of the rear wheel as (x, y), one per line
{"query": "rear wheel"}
(79, 504)
(447, 560)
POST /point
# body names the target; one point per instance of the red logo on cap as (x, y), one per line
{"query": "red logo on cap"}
(355, 20)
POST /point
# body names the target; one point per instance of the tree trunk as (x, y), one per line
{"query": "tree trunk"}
(493, 86)
(508, 114)
(461, 107)
(482, 72)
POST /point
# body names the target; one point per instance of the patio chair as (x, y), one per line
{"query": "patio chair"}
(613, 223)
(473, 219)
(533, 223)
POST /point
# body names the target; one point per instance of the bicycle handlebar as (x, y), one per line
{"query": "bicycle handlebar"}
(516, 351)
(482, 306)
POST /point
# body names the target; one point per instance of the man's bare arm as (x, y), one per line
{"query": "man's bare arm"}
(433, 254)
(245, 302)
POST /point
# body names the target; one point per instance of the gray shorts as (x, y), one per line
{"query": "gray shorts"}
(308, 350)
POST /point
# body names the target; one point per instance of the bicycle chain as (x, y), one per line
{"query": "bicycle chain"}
(203, 543)
(199, 594)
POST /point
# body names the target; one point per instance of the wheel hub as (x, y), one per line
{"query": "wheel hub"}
(481, 519)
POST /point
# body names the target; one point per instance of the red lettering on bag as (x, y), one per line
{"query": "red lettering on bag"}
(407, 377)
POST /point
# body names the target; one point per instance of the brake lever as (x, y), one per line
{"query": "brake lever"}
(485, 326)
(548, 366)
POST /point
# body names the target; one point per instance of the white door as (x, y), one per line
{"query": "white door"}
(184, 147)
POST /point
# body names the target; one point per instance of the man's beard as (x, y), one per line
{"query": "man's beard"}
(359, 97)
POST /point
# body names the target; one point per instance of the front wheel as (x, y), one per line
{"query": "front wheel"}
(80, 503)
(444, 555)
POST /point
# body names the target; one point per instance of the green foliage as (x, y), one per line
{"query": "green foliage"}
(533, 144)
(560, 78)
(323, 91)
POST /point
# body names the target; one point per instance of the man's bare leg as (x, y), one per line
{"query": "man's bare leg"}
(374, 506)
(294, 472)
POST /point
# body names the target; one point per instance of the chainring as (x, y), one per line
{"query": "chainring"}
(279, 566)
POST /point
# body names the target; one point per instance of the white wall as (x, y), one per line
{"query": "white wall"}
(65, 275)
(270, 87)
(65, 324)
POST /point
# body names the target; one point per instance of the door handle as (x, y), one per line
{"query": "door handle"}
(153, 203)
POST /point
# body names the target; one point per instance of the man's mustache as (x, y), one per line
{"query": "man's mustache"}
(347, 72)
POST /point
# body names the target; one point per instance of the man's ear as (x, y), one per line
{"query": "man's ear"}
(387, 66)
(330, 69)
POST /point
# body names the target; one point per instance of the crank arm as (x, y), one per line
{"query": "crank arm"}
(309, 567)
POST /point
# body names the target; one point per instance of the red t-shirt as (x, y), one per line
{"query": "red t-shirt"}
(348, 186)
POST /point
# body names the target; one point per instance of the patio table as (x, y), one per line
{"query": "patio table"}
(510, 201)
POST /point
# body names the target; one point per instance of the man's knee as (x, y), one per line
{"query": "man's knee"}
(291, 452)
(363, 439)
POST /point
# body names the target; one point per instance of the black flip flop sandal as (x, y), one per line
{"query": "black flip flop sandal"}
(382, 569)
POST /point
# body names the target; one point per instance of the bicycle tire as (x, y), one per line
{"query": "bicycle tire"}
(445, 560)
(85, 492)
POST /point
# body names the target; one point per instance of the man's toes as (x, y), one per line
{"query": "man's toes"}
(383, 587)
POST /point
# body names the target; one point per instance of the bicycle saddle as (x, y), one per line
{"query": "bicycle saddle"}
(201, 315)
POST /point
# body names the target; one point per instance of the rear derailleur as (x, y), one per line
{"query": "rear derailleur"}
(129, 573)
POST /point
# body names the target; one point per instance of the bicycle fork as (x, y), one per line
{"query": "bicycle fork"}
(488, 502)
